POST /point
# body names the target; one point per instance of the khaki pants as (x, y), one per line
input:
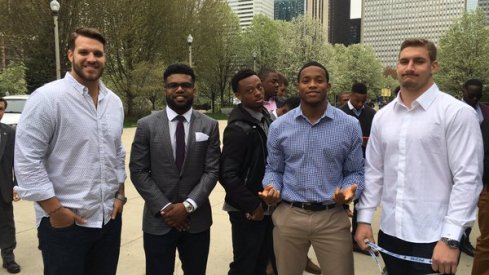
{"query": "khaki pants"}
(328, 232)
(481, 259)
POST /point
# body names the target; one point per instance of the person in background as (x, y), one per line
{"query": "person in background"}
(428, 184)
(175, 166)
(69, 159)
(357, 108)
(270, 81)
(472, 94)
(289, 104)
(343, 98)
(7, 183)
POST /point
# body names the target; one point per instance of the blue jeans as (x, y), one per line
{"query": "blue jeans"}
(193, 249)
(77, 250)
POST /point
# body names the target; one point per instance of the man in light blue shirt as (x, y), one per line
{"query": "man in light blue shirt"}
(69, 159)
(314, 166)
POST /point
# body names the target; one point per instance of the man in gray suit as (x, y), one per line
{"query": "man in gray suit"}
(174, 166)
(7, 224)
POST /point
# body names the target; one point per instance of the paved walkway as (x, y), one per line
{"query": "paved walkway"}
(131, 260)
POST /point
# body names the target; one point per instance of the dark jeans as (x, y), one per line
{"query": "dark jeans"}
(398, 246)
(192, 248)
(252, 244)
(77, 250)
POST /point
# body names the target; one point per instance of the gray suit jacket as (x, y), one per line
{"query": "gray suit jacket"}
(156, 176)
(7, 143)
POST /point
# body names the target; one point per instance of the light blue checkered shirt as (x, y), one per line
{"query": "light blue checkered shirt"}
(307, 162)
(65, 147)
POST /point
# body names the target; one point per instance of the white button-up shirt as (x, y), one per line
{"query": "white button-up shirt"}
(425, 165)
(65, 147)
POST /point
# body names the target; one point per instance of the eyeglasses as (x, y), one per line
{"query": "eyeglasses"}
(175, 85)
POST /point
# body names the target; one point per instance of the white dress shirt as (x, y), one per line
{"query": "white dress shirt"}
(424, 164)
(65, 147)
(172, 123)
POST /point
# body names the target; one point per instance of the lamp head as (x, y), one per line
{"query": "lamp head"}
(190, 39)
(54, 5)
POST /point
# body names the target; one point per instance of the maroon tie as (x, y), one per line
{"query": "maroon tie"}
(180, 143)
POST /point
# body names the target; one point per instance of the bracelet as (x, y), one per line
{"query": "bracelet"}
(55, 210)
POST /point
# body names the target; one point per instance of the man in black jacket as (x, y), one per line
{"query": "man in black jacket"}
(7, 224)
(242, 169)
(356, 107)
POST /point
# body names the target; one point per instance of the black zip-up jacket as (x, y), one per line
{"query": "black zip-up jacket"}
(243, 159)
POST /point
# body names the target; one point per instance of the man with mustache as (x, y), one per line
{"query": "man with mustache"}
(314, 166)
(174, 167)
(69, 159)
(427, 182)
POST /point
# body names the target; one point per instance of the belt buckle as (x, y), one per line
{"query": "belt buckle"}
(306, 205)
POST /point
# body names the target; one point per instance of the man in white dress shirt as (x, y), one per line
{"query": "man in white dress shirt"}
(424, 164)
(69, 159)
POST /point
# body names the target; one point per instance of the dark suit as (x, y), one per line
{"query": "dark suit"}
(7, 225)
(158, 180)
(366, 117)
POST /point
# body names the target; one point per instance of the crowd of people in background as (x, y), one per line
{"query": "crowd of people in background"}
(290, 166)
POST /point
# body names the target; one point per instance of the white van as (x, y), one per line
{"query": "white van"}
(15, 105)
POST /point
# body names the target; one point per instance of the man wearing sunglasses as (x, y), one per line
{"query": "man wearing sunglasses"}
(174, 166)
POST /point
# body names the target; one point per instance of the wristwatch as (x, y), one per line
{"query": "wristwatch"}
(451, 243)
(119, 196)
(188, 207)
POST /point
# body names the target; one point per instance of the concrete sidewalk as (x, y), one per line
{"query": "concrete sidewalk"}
(131, 261)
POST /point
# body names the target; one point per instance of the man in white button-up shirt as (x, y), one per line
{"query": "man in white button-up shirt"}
(424, 164)
(69, 159)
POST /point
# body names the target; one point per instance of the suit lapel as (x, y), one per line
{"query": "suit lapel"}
(195, 124)
(165, 134)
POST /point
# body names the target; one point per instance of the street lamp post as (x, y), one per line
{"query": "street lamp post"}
(190, 39)
(54, 5)
(254, 61)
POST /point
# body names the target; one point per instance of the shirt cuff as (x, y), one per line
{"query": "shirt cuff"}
(452, 231)
(192, 202)
(365, 215)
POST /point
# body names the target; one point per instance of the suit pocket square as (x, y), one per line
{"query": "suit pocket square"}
(201, 136)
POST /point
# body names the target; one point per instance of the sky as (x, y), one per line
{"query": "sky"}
(356, 9)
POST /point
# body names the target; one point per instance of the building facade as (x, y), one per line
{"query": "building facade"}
(339, 22)
(386, 23)
(288, 9)
(247, 9)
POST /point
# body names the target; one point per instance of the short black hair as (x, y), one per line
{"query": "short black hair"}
(263, 73)
(473, 82)
(359, 88)
(240, 75)
(310, 64)
(179, 69)
(292, 102)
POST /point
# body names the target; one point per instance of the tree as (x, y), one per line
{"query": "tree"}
(12, 79)
(464, 52)
(356, 63)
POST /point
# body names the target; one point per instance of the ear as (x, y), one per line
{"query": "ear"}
(434, 67)
(70, 56)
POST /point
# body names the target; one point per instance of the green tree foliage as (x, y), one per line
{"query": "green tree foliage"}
(12, 80)
(356, 63)
(464, 53)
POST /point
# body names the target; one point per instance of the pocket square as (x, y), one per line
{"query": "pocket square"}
(199, 136)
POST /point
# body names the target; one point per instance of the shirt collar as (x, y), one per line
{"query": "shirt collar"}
(329, 113)
(83, 89)
(424, 100)
(172, 114)
(256, 115)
